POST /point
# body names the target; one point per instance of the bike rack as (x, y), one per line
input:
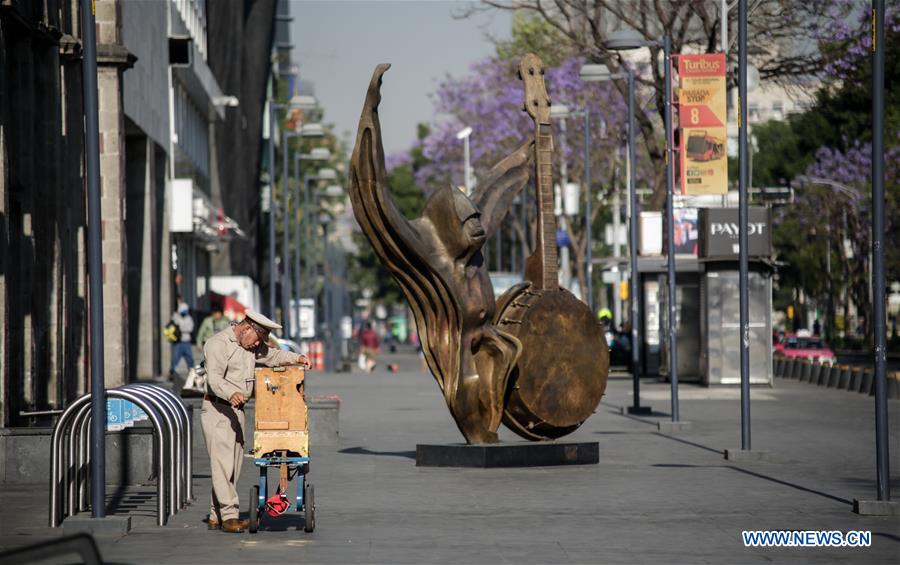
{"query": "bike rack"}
(70, 453)
(183, 439)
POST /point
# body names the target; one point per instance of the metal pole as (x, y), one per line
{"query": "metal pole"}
(565, 267)
(878, 318)
(589, 238)
(315, 263)
(670, 224)
(272, 107)
(633, 252)
(326, 297)
(466, 177)
(285, 251)
(95, 262)
(725, 27)
(743, 221)
(296, 287)
(309, 285)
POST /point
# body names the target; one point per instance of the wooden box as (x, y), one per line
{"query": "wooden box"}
(282, 420)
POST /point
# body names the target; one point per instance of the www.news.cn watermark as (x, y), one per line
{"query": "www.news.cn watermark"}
(806, 538)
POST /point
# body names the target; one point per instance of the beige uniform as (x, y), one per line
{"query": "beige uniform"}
(229, 369)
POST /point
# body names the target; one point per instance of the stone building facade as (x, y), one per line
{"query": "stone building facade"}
(159, 122)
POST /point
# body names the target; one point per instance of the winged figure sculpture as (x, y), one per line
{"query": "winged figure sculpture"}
(436, 260)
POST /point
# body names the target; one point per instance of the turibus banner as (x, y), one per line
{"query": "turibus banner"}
(702, 118)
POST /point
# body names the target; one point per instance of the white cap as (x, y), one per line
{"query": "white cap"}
(262, 320)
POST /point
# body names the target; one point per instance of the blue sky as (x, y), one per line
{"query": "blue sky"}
(338, 43)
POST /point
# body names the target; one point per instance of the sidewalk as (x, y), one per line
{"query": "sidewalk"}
(654, 497)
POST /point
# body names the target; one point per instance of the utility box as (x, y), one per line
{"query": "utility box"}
(281, 415)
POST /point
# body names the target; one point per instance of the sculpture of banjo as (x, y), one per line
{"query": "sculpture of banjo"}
(486, 359)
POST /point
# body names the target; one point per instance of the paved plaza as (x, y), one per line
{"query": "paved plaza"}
(654, 497)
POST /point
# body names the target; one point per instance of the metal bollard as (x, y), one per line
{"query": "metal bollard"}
(789, 368)
(805, 370)
(778, 369)
(816, 370)
(834, 376)
(844, 379)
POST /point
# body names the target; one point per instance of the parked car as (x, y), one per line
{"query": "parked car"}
(804, 345)
(288, 345)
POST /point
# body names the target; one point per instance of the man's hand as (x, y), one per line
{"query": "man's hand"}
(303, 361)
(237, 400)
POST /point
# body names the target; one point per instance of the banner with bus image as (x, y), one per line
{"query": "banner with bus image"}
(701, 121)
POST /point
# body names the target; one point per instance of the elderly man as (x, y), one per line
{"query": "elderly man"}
(231, 357)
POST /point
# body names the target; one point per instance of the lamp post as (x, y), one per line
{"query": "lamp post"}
(317, 154)
(464, 136)
(303, 103)
(95, 262)
(325, 219)
(307, 130)
(323, 174)
(562, 112)
(591, 73)
(627, 40)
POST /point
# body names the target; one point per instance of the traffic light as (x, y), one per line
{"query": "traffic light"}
(623, 290)
(790, 312)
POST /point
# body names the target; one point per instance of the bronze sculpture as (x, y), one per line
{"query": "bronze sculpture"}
(544, 389)
(437, 262)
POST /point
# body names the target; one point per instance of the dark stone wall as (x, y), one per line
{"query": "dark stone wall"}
(41, 188)
(240, 34)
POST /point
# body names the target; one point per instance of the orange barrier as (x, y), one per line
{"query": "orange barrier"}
(316, 355)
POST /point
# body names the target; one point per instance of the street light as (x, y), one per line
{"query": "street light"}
(464, 136)
(598, 73)
(323, 174)
(325, 220)
(317, 154)
(561, 112)
(307, 130)
(302, 103)
(626, 40)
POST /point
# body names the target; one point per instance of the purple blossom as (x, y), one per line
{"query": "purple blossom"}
(489, 100)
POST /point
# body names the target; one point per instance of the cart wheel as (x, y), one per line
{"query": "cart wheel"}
(254, 509)
(309, 505)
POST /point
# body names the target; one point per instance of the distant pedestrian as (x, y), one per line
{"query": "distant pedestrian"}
(817, 327)
(211, 325)
(182, 348)
(370, 346)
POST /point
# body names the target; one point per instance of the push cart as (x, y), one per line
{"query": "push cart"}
(281, 440)
(289, 468)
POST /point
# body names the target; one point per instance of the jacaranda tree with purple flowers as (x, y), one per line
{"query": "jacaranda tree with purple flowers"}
(489, 99)
(826, 154)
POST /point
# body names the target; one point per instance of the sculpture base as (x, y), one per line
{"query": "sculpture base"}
(530, 454)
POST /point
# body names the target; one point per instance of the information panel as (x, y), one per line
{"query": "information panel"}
(701, 119)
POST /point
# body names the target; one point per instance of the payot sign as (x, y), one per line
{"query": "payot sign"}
(720, 233)
(701, 119)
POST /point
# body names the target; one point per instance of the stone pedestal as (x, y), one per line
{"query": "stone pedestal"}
(524, 454)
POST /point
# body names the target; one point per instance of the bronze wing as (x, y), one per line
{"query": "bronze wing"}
(494, 194)
(402, 248)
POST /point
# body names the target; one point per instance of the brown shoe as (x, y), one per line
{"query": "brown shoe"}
(212, 523)
(235, 526)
